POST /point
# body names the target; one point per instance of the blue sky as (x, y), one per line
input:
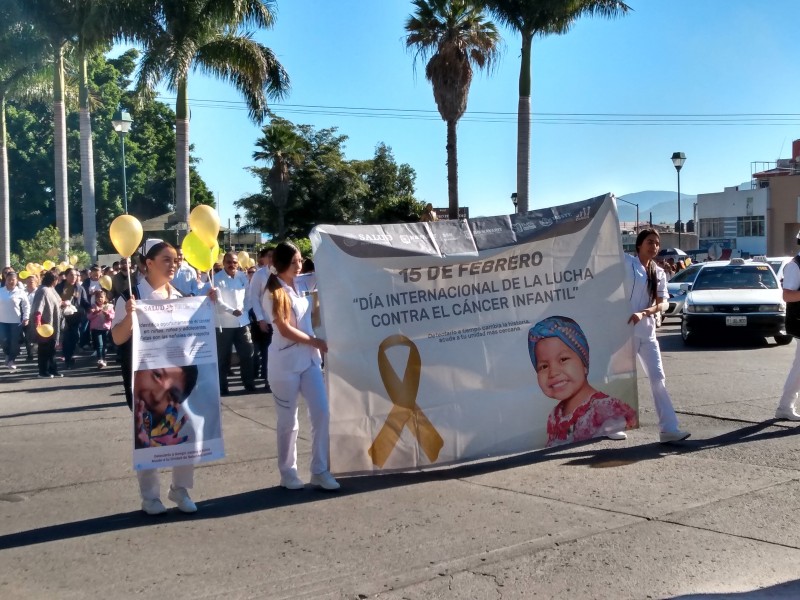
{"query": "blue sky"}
(709, 58)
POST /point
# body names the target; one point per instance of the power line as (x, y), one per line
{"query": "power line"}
(543, 118)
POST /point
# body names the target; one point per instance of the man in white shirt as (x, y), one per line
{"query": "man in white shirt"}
(786, 410)
(14, 312)
(231, 284)
(185, 280)
(258, 284)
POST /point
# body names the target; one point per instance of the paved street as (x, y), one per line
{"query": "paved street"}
(712, 518)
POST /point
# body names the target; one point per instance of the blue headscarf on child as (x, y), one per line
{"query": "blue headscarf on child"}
(563, 328)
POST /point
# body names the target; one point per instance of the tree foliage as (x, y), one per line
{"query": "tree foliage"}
(326, 187)
(149, 156)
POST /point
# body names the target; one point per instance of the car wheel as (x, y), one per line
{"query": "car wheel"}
(782, 340)
(688, 338)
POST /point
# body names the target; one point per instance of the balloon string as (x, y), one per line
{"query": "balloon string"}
(217, 324)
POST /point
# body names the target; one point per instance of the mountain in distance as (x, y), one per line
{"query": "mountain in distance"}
(662, 204)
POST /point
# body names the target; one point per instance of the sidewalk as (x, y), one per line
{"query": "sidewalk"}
(706, 518)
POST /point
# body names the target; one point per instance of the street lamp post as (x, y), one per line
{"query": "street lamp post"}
(237, 217)
(637, 211)
(678, 158)
(122, 125)
(515, 202)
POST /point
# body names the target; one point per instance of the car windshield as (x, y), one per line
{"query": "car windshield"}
(687, 275)
(744, 277)
(775, 264)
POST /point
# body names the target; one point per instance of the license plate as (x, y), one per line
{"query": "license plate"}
(735, 321)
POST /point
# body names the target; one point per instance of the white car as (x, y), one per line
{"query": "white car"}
(735, 299)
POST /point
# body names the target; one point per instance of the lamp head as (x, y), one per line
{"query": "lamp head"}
(514, 198)
(678, 158)
(122, 122)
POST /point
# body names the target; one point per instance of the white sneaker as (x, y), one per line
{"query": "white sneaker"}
(617, 435)
(292, 482)
(787, 414)
(153, 507)
(674, 436)
(11, 366)
(325, 480)
(181, 497)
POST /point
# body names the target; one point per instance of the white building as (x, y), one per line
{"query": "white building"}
(735, 218)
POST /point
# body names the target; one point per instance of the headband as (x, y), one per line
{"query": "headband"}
(563, 328)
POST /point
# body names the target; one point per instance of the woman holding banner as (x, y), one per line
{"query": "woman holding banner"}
(647, 285)
(161, 260)
(294, 367)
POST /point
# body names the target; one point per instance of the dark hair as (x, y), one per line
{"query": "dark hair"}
(156, 249)
(652, 273)
(265, 251)
(308, 266)
(48, 279)
(190, 372)
(281, 261)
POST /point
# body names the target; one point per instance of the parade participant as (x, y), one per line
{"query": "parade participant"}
(786, 410)
(14, 313)
(119, 282)
(160, 262)
(100, 316)
(559, 352)
(74, 305)
(294, 367)
(185, 280)
(31, 285)
(262, 330)
(234, 324)
(646, 286)
(46, 310)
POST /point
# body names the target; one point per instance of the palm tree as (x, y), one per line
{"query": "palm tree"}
(455, 35)
(540, 17)
(205, 35)
(283, 147)
(22, 59)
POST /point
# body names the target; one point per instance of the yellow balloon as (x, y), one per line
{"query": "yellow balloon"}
(204, 222)
(244, 258)
(31, 267)
(126, 234)
(48, 264)
(45, 330)
(73, 260)
(196, 253)
(38, 268)
(24, 274)
(106, 283)
(62, 266)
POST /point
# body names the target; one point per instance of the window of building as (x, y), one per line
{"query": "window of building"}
(750, 226)
(712, 228)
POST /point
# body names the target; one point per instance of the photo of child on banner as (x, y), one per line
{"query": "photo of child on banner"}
(559, 352)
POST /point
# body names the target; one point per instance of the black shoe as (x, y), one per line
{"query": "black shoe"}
(267, 389)
(250, 388)
(224, 392)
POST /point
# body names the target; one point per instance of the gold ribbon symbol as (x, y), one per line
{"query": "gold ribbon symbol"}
(405, 412)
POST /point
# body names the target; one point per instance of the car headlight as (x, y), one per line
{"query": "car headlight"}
(699, 308)
(772, 307)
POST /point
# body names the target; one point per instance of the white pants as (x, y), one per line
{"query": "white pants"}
(150, 488)
(286, 387)
(650, 356)
(792, 385)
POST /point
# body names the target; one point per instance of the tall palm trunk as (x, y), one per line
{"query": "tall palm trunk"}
(60, 152)
(182, 153)
(452, 168)
(5, 215)
(524, 126)
(87, 163)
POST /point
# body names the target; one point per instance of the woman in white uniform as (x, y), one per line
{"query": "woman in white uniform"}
(294, 367)
(647, 285)
(161, 260)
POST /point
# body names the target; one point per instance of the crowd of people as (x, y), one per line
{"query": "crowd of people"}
(92, 308)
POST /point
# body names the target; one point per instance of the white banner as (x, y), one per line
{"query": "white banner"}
(176, 408)
(434, 329)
